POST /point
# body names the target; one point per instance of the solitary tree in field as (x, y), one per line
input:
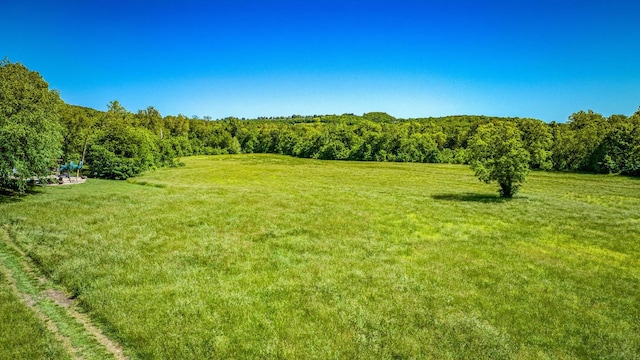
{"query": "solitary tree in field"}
(30, 134)
(497, 153)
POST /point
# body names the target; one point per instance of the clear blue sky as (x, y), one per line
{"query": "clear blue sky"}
(527, 58)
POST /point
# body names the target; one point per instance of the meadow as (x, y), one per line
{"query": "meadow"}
(266, 256)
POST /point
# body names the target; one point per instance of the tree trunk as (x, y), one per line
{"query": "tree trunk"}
(506, 190)
(84, 151)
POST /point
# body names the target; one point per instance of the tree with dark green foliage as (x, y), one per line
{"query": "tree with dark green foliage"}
(629, 147)
(589, 130)
(497, 153)
(30, 131)
(119, 149)
(537, 139)
(78, 127)
(151, 119)
(378, 117)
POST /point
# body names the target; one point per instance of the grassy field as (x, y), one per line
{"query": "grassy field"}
(262, 256)
(22, 335)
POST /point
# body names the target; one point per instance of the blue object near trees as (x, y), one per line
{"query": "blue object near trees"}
(71, 166)
(74, 166)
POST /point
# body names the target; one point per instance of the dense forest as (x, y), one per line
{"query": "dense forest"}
(118, 143)
(122, 143)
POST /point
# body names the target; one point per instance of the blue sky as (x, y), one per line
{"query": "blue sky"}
(541, 59)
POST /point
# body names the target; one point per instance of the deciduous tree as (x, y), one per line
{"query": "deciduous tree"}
(497, 153)
(30, 132)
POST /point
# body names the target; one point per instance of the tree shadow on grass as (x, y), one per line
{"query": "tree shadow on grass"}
(632, 177)
(8, 196)
(471, 197)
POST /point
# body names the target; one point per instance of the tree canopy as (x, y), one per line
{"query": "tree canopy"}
(497, 153)
(30, 129)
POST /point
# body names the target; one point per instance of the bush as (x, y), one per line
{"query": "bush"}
(122, 152)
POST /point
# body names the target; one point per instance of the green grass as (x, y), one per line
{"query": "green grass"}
(262, 256)
(22, 334)
(33, 289)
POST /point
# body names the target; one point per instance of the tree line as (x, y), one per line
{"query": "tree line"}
(36, 128)
(123, 143)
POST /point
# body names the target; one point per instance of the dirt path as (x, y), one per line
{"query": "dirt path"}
(31, 304)
(36, 292)
(69, 181)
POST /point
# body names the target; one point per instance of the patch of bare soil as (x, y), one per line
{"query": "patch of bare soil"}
(68, 181)
(58, 297)
(109, 344)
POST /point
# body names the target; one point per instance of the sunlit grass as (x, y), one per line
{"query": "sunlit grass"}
(22, 334)
(268, 256)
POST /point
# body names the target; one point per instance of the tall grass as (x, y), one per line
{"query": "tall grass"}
(22, 334)
(262, 256)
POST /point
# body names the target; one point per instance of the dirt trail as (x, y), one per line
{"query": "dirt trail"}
(62, 300)
(68, 181)
(31, 304)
